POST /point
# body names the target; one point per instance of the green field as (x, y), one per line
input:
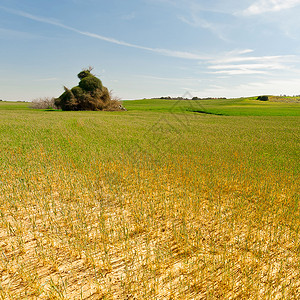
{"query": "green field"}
(227, 107)
(13, 105)
(158, 202)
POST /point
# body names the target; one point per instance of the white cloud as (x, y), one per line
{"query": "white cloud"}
(263, 6)
(167, 52)
(254, 88)
(233, 59)
(239, 52)
(227, 58)
(274, 61)
(240, 72)
(191, 13)
(196, 21)
(248, 65)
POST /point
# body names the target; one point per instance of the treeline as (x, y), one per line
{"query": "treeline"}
(193, 98)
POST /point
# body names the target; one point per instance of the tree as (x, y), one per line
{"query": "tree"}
(90, 94)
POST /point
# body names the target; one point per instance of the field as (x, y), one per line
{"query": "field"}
(226, 107)
(169, 200)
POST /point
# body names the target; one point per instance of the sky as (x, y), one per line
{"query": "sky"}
(150, 48)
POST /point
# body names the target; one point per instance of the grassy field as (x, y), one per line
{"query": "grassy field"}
(227, 107)
(13, 105)
(158, 202)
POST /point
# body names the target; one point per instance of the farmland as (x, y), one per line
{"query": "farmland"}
(168, 200)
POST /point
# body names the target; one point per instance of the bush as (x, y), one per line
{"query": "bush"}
(67, 100)
(90, 84)
(43, 103)
(114, 104)
(90, 94)
(77, 92)
(263, 98)
(84, 74)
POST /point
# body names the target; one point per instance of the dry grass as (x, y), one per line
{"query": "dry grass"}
(111, 207)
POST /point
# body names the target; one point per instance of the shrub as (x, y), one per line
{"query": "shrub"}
(77, 92)
(263, 98)
(43, 103)
(90, 94)
(67, 100)
(114, 104)
(84, 74)
(90, 84)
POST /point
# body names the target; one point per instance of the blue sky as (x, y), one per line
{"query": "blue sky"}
(150, 48)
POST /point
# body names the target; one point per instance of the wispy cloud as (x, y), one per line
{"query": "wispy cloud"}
(166, 52)
(273, 86)
(240, 72)
(249, 66)
(245, 65)
(199, 22)
(236, 59)
(194, 16)
(263, 6)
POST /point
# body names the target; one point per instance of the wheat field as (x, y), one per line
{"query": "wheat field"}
(148, 205)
